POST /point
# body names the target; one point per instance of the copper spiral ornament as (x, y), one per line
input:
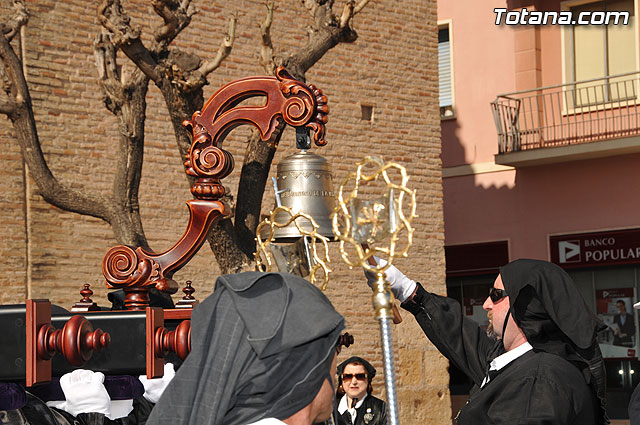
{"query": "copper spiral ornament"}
(296, 111)
(212, 161)
(121, 266)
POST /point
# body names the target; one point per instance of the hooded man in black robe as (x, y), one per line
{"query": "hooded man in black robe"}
(543, 364)
(263, 349)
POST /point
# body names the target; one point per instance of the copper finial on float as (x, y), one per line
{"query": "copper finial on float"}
(86, 303)
(188, 301)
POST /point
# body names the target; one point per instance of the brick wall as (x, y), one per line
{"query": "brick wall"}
(48, 253)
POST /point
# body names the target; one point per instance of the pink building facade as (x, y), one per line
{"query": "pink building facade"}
(541, 158)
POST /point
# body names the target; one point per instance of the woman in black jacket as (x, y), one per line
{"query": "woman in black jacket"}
(356, 404)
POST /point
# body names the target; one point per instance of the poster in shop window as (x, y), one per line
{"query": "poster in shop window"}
(615, 308)
(473, 310)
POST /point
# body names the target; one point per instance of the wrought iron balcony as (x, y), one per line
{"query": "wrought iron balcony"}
(576, 113)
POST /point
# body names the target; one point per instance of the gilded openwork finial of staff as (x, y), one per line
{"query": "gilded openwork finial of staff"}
(374, 227)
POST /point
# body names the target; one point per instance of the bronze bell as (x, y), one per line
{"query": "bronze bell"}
(305, 184)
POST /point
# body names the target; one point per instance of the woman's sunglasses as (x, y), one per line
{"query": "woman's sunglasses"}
(358, 376)
(496, 294)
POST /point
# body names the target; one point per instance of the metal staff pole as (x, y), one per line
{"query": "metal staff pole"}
(382, 303)
(377, 227)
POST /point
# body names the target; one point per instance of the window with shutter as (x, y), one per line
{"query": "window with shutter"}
(445, 74)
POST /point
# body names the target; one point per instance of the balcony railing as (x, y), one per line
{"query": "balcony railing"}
(567, 114)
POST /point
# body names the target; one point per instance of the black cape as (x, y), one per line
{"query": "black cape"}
(538, 388)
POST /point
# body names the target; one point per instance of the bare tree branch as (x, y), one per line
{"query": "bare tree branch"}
(52, 190)
(347, 13)
(350, 10)
(224, 246)
(179, 75)
(108, 73)
(176, 16)
(255, 171)
(266, 50)
(311, 6)
(8, 87)
(12, 26)
(223, 51)
(125, 97)
(170, 20)
(360, 6)
(114, 19)
(327, 31)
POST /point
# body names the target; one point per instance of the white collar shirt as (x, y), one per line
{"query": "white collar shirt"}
(506, 358)
(343, 407)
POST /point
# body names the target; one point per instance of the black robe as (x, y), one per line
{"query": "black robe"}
(36, 412)
(537, 388)
(373, 411)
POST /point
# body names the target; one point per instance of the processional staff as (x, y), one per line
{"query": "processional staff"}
(377, 226)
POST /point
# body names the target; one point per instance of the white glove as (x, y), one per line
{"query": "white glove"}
(401, 286)
(85, 393)
(153, 388)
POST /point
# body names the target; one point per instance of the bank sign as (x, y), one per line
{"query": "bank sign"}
(596, 249)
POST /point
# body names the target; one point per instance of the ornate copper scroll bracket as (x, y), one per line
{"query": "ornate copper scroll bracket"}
(137, 270)
(288, 101)
(76, 341)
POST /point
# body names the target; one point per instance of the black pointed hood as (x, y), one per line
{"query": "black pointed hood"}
(540, 291)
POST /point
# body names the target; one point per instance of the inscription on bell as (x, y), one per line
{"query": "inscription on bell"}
(314, 193)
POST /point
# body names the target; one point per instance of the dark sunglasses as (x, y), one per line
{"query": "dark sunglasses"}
(358, 376)
(496, 294)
